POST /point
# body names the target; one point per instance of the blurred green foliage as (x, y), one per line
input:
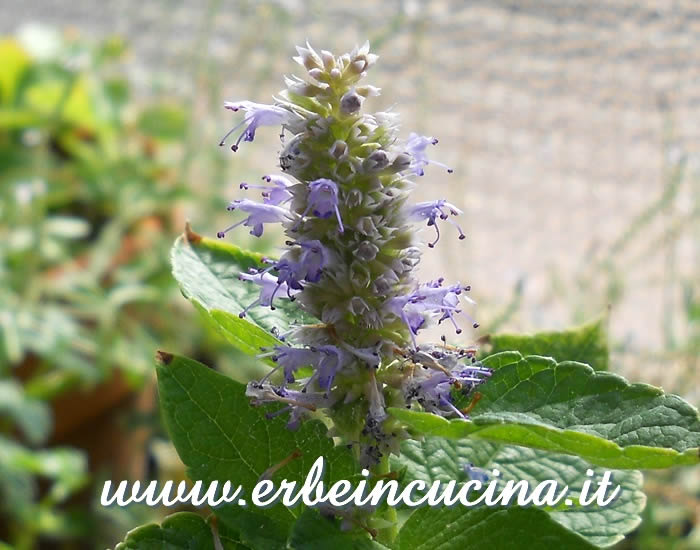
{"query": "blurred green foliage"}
(88, 210)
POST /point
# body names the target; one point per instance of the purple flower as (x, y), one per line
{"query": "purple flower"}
(433, 394)
(292, 359)
(269, 288)
(323, 200)
(431, 211)
(416, 146)
(313, 259)
(326, 361)
(476, 474)
(434, 391)
(275, 194)
(428, 300)
(260, 214)
(256, 114)
(299, 403)
(333, 360)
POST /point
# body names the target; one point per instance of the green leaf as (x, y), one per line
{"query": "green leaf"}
(19, 118)
(436, 458)
(66, 468)
(14, 62)
(570, 408)
(585, 344)
(207, 271)
(313, 532)
(230, 538)
(461, 528)
(243, 335)
(219, 436)
(31, 415)
(164, 121)
(71, 99)
(254, 530)
(184, 530)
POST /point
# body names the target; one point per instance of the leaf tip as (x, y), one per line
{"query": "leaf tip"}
(163, 357)
(190, 235)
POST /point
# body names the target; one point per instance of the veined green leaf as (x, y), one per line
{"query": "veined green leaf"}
(570, 408)
(313, 532)
(439, 459)
(181, 531)
(207, 271)
(486, 529)
(219, 436)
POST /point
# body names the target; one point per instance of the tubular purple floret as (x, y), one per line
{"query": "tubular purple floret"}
(323, 200)
(269, 287)
(431, 211)
(260, 214)
(416, 147)
(276, 194)
(256, 114)
(428, 300)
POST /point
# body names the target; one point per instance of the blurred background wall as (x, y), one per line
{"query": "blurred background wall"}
(572, 128)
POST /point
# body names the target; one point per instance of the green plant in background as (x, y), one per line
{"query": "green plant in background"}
(342, 338)
(86, 203)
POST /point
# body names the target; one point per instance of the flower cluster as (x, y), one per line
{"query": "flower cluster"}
(344, 204)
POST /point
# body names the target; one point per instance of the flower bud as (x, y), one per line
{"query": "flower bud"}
(318, 74)
(308, 57)
(339, 150)
(351, 102)
(367, 251)
(368, 91)
(401, 162)
(378, 160)
(328, 60)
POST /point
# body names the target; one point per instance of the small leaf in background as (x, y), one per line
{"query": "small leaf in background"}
(68, 98)
(570, 408)
(12, 346)
(111, 48)
(30, 415)
(585, 344)
(14, 62)
(117, 91)
(220, 436)
(164, 121)
(486, 529)
(65, 468)
(181, 531)
(436, 458)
